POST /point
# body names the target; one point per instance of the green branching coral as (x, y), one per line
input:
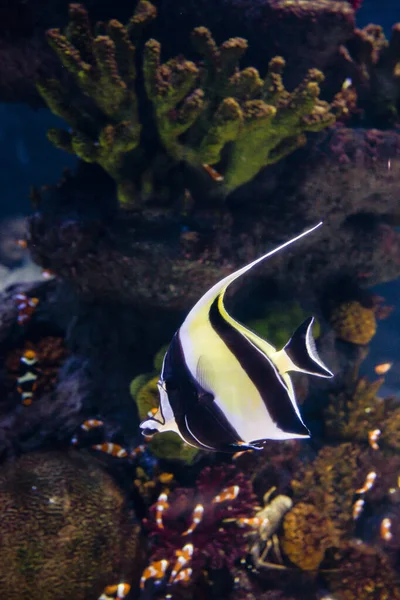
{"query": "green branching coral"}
(103, 69)
(205, 113)
(220, 108)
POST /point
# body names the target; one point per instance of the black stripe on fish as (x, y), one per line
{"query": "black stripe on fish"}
(303, 353)
(262, 373)
(198, 418)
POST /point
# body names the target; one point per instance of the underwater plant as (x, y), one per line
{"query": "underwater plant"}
(205, 113)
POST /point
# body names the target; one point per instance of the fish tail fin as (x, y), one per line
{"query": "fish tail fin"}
(302, 352)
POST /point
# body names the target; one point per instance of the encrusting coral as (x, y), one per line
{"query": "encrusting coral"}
(353, 322)
(65, 531)
(103, 68)
(356, 322)
(307, 534)
(209, 113)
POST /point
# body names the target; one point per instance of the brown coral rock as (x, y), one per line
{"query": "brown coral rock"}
(64, 532)
(307, 535)
(329, 483)
(364, 573)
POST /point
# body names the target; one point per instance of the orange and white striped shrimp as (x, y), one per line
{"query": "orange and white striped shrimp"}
(112, 449)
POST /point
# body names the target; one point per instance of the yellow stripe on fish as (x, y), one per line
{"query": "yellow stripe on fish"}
(224, 388)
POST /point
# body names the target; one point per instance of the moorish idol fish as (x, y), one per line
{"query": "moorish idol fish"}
(224, 388)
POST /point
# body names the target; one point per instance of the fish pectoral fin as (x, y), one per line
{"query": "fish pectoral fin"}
(301, 353)
(206, 374)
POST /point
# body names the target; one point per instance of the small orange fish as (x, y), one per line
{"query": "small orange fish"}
(368, 483)
(383, 368)
(118, 591)
(196, 519)
(91, 424)
(137, 451)
(215, 176)
(358, 508)
(373, 437)
(254, 522)
(229, 493)
(26, 307)
(184, 575)
(156, 570)
(47, 274)
(385, 527)
(182, 558)
(161, 506)
(112, 449)
(27, 381)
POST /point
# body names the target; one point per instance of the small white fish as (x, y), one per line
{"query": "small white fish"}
(224, 388)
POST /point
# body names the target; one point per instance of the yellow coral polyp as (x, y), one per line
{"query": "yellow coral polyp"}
(308, 533)
(352, 322)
